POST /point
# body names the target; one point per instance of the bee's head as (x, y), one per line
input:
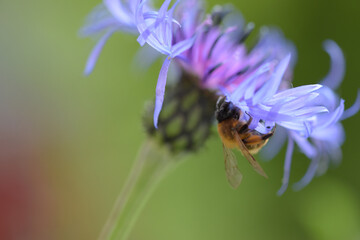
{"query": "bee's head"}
(226, 110)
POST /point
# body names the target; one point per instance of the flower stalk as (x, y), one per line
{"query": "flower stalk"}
(152, 164)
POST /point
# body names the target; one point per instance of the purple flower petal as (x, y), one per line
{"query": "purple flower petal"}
(94, 55)
(140, 23)
(298, 126)
(240, 91)
(335, 116)
(164, 7)
(337, 69)
(309, 175)
(353, 109)
(291, 104)
(100, 26)
(119, 11)
(295, 92)
(182, 46)
(333, 135)
(327, 98)
(100, 19)
(157, 32)
(271, 87)
(154, 15)
(287, 166)
(273, 147)
(270, 116)
(160, 89)
(309, 111)
(305, 146)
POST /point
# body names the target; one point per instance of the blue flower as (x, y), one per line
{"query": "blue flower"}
(257, 80)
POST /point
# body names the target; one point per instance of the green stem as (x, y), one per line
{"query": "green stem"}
(150, 167)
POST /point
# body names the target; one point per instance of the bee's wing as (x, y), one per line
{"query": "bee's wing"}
(248, 155)
(233, 174)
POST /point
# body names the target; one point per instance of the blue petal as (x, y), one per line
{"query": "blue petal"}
(240, 91)
(353, 109)
(295, 92)
(305, 146)
(160, 89)
(333, 135)
(270, 87)
(145, 34)
(154, 15)
(101, 19)
(327, 98)
(148, 37)
(182, 46)
(140, 22)
(337, 69)
(291, 104)
(164, 7)
(119, 11)
(94, 55)
(168, 28)
(287, 166)
(309, 111)
(335, 116)
(273, 147)
(99, 25)
(309, 175)
(157, 33)
(297, 126)
(269, 116)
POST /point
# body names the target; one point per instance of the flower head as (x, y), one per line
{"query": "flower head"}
(210, 53)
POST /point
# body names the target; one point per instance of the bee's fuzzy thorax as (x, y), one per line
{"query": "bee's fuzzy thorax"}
(225, 111)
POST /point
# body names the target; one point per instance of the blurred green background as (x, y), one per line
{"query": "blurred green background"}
(67, 142)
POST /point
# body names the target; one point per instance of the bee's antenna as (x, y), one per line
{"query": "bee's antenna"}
(247, 113)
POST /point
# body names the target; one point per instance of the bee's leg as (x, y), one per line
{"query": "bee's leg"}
(267, 136)
(253, 139)
(256, 139)
(243, 128)
(273, 130)
(250, 119)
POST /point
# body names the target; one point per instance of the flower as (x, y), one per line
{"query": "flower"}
(325, 135)
(210, 53)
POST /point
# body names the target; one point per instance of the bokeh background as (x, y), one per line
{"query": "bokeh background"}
(67, 142)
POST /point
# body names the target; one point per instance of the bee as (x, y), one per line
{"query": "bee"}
(235, 133)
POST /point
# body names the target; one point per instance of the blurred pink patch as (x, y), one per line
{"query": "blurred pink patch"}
(25, 201)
